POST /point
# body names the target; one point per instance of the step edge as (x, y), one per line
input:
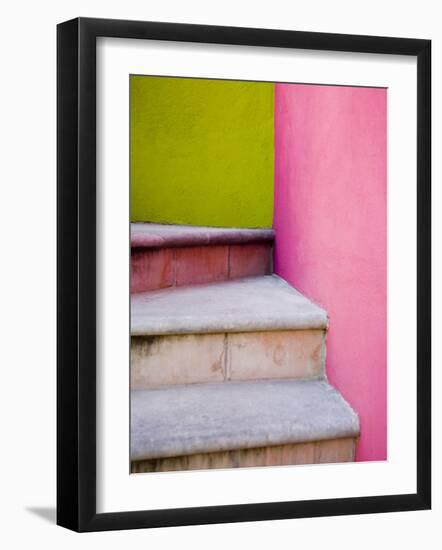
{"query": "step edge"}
(225, 236)
(276, 326)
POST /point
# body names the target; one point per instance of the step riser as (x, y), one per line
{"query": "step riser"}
(156, 268)
(318, 452)
(198, 358)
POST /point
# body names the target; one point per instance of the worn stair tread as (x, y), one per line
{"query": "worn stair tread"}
(203, 418)
(244, 305)
(155, 235)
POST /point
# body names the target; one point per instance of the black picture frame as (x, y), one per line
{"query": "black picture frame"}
(76, 273)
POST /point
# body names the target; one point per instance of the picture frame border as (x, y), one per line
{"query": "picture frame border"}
(76, 274)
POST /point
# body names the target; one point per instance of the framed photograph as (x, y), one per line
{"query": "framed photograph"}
(243, 274)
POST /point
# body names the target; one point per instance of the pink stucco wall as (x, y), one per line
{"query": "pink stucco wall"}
(330, 223)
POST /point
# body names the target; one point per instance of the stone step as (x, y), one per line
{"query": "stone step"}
(246, 305)
(255, 328)
(240, 423)
(163, 256)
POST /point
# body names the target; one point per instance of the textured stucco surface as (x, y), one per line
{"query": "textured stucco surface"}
(236, 415)
(156, 268)
(155, 235)
(201, 151)
(331, 233)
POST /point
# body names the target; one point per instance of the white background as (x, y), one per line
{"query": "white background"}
(27, 217)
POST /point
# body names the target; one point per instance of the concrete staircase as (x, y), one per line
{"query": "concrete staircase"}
(227, 359)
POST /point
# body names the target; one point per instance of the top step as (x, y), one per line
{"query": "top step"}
(154, 235)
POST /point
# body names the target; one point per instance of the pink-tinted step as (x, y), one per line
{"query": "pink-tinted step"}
(151, 269)
(182, 260)
(248, 260)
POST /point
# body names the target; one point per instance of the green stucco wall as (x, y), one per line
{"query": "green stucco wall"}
(201, 151)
